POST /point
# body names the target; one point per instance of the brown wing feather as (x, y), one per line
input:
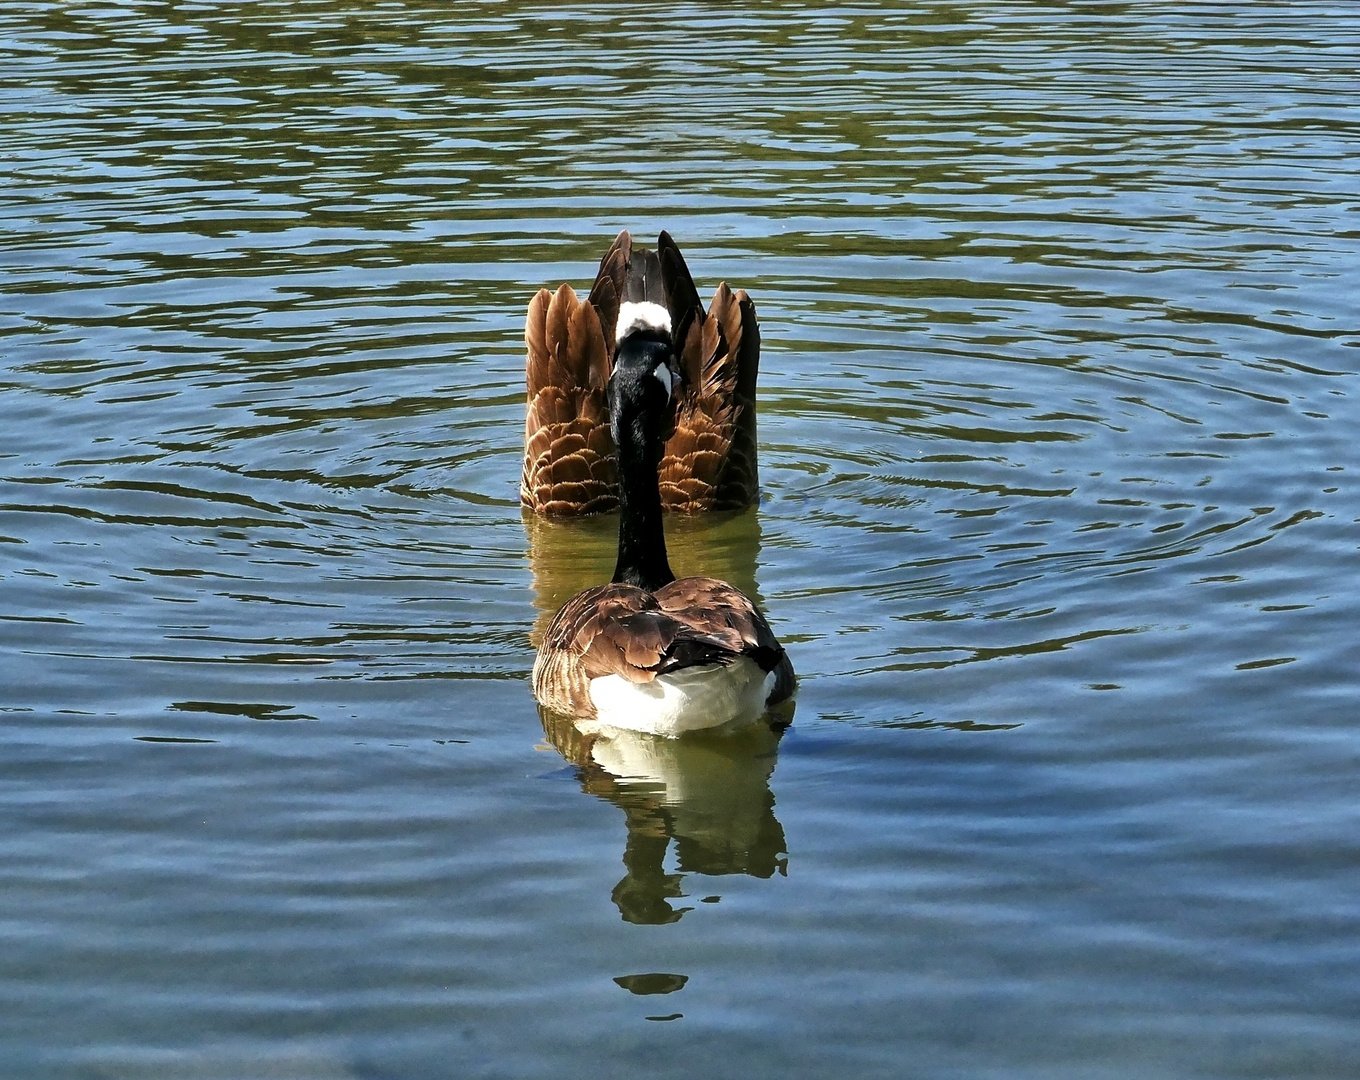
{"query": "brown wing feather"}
(618, 629)
(610, 629)
(569, 463)
(736, 315)
(709, 462)
(717, 611)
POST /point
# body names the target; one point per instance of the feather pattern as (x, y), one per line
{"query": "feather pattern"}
(709, 461)
(618, 629)
(570, 466)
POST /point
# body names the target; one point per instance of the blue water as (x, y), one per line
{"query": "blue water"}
(1058, 522)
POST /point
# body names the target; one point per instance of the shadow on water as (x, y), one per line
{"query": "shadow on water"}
(708, 792)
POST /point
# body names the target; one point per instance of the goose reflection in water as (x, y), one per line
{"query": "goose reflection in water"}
(709, 792)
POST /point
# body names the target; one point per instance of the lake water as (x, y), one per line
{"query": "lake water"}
(1058, 421)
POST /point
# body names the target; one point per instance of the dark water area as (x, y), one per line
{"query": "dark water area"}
(1058, 521)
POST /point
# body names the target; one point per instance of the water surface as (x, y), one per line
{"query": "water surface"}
(1057, 417)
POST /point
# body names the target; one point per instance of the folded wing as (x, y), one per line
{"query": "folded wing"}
(618, 629)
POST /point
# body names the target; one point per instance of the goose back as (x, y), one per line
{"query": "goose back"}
(640, 637)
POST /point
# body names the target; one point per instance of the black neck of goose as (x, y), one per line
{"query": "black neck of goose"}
(642, 537)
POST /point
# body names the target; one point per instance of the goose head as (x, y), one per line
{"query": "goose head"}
(645, 378)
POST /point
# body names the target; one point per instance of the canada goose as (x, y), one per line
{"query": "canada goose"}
(648, 652)
(709, 462)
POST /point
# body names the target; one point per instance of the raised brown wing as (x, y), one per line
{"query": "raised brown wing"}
(569, 463)
(735, 314)
(709, 462)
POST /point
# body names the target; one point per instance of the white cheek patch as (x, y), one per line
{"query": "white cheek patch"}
(662, 374)
(641, 315)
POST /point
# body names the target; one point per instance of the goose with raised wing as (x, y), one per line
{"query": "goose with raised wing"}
(648, 652)
(709, 459)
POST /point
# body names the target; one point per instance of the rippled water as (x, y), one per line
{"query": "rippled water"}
(1057, 431)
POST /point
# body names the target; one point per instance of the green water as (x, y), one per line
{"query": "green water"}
(1057, 434)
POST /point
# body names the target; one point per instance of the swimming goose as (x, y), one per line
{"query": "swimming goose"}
(709, 462)
(648, 652)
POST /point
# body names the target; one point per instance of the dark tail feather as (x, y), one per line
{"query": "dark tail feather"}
(644, 278)
(682, 298)
(690, 652)
(608, 291)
